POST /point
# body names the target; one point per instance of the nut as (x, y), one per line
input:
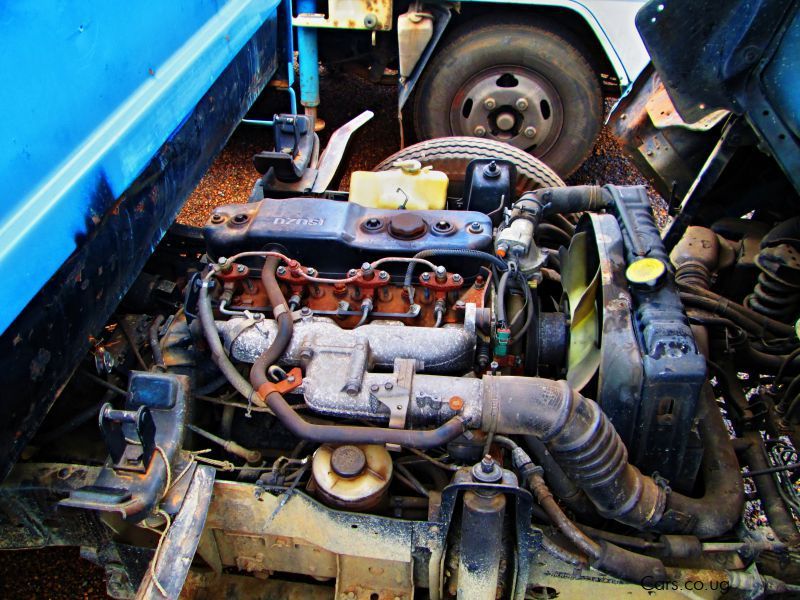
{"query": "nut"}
(480, 131)
(489, 104)
(529, 132)
(522, 104)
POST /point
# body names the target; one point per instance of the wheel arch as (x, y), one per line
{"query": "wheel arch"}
(581, 23)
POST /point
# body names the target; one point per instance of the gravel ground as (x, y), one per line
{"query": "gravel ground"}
(52, 573)
(59, 572)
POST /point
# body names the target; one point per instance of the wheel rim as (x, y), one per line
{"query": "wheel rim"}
(510, 104)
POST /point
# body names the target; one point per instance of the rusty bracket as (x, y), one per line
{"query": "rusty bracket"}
(294, 380)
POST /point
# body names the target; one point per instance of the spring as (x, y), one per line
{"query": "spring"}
(777, 292)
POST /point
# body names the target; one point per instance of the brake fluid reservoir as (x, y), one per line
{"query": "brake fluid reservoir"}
(408, 186)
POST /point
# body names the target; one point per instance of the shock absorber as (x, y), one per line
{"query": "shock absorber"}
(777, 292)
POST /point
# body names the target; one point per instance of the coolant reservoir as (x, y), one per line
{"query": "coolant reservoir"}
(408, 186)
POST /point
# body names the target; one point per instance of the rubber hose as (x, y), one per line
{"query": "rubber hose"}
(206, 318)
(347, 434)
(589, 450)
(258, 372)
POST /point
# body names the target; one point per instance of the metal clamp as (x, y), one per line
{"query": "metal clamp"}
(293, 381)
(397, 396)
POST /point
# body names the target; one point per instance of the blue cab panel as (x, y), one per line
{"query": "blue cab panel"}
(110, 114)
(91, 91)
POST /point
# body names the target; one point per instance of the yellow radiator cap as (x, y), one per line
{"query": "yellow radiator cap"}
(645, 272)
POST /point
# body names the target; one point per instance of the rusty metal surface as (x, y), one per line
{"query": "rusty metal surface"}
(370, 15)
(181, 539)
(366, 554)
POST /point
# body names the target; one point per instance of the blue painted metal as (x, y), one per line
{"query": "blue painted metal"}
(90, 93)
(288, 37)
(45, 343)
(308, 51)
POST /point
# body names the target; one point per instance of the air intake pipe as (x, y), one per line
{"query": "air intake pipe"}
(587, 447)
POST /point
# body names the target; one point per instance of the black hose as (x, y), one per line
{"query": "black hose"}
(461, 252)
(586, 446)
(720, 507)
(779, 517)
(501, 298)
(206, 318)
(603, 554)
(558, 234)
(563, 486)
(347, 434)
(258, 372)
(727, 307)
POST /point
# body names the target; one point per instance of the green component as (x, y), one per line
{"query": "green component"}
(502, 339)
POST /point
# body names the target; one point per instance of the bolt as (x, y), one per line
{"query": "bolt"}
(475, 227)
(240, 268)
(522, 103)
(489, 104)
(351, 273)
(222, 260)
(343, 306)
(306, 354)
(530, 132)
(388, 385)
(494, 365)
(374, 388)
(351, 389)
(281, 271)
(305, 311)
(456, 278)
(383, 276)
(370, 21)
(311, 271)
(425, 277)
(487, 464)
(441, 273)
(480, 131)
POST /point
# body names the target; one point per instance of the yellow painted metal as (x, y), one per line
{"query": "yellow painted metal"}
(581, 285)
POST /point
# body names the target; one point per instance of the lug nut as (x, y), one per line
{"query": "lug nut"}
(489, 104)
(480, 131)
(522, 104)
(530, 132)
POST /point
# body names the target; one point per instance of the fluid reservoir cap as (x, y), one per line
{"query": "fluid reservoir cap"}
(348, 461)
(355, 477)
(407, 226)
(645, 272)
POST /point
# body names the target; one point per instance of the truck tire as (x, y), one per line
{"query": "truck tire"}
(522, 83)
(451, 155)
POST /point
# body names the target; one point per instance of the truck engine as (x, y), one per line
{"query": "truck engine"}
(501, 393)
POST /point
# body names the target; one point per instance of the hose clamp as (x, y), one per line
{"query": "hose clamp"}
(294, 380)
